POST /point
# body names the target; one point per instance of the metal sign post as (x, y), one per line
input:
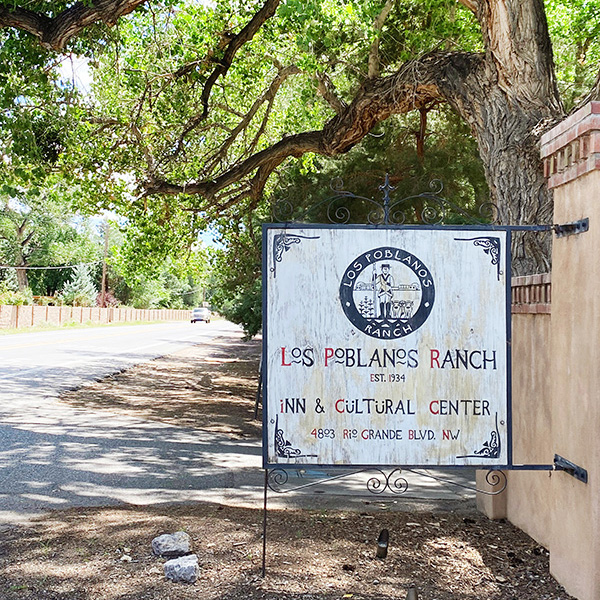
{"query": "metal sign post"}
(388, 345)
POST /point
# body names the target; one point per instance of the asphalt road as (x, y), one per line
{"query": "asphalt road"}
(55, 456)
(50, 362)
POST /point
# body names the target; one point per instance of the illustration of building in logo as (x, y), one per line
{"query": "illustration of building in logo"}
(387, 292)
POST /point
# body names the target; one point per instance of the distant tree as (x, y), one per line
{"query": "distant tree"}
(38, 229)
(80, 290)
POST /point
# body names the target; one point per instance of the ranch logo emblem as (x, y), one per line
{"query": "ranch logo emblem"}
(387, 293)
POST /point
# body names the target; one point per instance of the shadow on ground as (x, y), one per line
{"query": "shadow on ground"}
(215, 392)
(93, 554)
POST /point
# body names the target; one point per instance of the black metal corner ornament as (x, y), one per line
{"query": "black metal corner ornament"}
(491, 448)
(282, 243)
(490, 245)
(283, 447)
(433, 209)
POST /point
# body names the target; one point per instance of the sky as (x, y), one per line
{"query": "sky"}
(77, 69)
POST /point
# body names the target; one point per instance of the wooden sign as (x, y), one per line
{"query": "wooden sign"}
(385, 346)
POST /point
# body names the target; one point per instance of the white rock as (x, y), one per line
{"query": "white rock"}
(183, 569)
(171, 545)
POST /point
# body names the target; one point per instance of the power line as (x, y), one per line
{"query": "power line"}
(51, 267)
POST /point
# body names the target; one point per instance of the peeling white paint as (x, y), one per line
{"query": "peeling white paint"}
(330, 300)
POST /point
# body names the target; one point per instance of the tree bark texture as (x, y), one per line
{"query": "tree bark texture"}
(55, 32)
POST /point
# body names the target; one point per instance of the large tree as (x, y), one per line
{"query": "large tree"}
(247, 60)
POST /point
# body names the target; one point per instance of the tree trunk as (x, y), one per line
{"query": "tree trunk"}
(22, 278)
(21, 258)
(509, 97)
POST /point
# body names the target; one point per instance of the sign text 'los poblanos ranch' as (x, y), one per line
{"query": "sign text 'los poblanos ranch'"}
(385, 346)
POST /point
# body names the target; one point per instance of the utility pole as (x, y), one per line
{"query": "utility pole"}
(104, 269)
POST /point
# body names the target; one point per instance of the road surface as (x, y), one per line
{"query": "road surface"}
(55, 456)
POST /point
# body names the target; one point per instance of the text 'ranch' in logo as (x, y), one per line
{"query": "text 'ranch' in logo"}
(387, 292)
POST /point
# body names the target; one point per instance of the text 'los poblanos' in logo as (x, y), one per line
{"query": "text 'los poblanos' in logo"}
(387, 292)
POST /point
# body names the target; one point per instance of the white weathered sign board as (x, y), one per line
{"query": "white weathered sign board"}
(385, 346)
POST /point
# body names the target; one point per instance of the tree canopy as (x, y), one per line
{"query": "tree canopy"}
(198, 107)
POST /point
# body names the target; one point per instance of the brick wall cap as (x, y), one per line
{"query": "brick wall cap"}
(575, 125)
(538, 279)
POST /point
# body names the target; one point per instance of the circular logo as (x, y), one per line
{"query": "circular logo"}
(387, 292)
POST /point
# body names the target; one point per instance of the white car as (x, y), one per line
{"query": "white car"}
(201, 314)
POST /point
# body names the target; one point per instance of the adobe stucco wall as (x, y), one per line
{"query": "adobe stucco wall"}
(527, 498)
(576, 389)
(525, 501)
(556, 373)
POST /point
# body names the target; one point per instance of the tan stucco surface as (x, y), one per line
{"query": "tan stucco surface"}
(556, 373)
(527, 496)
(575, 376)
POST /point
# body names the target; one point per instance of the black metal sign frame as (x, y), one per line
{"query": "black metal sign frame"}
(385, 214)
(283, 243)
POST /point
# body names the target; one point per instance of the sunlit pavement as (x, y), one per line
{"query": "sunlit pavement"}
(55, 456)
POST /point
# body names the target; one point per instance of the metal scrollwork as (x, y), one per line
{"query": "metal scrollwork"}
(337, 185)
(489, 212)
(282, 242)
(495, 478)
(490, 245)
(282, 211)
(276, 479)
(392, 482)
(491, 448)
(429, 208)
(378, 484)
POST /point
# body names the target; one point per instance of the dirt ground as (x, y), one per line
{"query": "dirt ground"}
(106, 554)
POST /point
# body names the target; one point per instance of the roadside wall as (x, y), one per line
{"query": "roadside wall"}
(527, 503)
(16, 317)
(556, 373)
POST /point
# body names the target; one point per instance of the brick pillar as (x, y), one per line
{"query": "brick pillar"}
(571, 155)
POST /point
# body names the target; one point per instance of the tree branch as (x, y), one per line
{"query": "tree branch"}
(244, 36)
(327, 91)
(295, 145)
(416, 85)
(374, 51)
(268, 96)
(54, 33)
(470, 4)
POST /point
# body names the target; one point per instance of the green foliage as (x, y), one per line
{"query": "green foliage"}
(574, 28)
(243, 306)
(417, 27)
(80, 290)
(178, 280)
(449, 155)
(236, 274)
(38, 229)
(144, 119)
(11, 296)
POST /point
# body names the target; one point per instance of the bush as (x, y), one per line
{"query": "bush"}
(109, 300)
(9, 297)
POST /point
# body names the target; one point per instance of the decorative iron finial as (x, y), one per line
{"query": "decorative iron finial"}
(386, 187)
